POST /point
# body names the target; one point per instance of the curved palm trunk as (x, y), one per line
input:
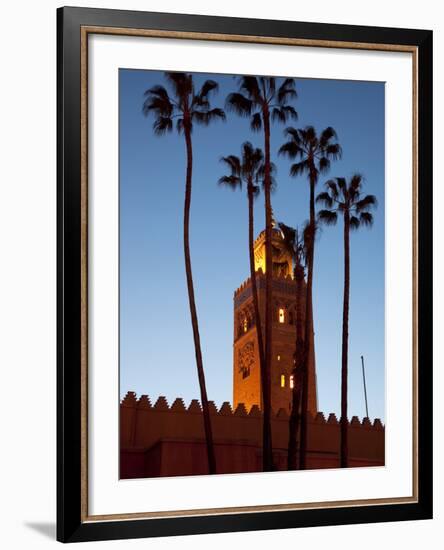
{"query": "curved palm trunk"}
(257, 314)
(308, 327)
(344, 369)
(267, 458)
(193, 312)
(293, 426)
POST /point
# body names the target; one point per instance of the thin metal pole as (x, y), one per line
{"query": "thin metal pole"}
(365, 387)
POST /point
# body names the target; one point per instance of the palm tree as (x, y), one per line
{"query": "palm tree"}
(249, 170)
(313, 155)
(345, 198)
(187, 106)
(260, 99)
(295, 245)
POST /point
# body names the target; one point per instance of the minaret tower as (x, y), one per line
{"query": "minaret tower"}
(246, 365)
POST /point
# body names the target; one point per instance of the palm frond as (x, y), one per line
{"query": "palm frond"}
(354, 223)
(159, 91)
(200, 102)
(291, 149)
(366, 218)
(309, 135)
(333, 151)
(327, 217)
(206, 117)
(324, 165)
(368, 202)
(230, 181)
(257, 157)
(161, 105)
(286, 91)
(182, 83)
(342, 185)
(354, 194)
(289, 112)
(162, 125)
(289, 238)
(208, 87)
(278, 115)
(251, 161)
(256, 122)
(356, 181)
(250, 86)
(240, 104)
(233, 163)
(288, 232)
(326, 135)
(299, 168)
(325, 199)
(156, 90)
(332, 188)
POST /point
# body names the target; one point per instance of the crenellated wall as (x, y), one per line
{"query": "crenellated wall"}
(162, 440)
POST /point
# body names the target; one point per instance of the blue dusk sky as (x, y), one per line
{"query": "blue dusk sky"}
(156, 343)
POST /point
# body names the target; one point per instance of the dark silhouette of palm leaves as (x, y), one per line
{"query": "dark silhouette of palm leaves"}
(257, 93)
(249, 169)
(294, 242)
(314, 153)
(184, 106)
(341, 196)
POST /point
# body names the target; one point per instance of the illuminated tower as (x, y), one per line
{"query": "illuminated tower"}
(246, 365)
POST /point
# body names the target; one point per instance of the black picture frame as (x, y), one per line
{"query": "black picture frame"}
(70, 525)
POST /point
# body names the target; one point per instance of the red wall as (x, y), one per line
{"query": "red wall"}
(161, 440)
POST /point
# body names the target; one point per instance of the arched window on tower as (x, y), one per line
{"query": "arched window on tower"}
(281, 315)
(282, 380)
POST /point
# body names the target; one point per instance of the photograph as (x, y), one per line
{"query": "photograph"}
(251, 273)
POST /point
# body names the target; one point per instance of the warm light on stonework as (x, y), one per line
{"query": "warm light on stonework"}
(247, 380)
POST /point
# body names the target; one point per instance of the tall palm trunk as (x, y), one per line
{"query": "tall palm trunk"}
(193, 312)
(344, 370)
(266, 389)
(308, 327)
(293, 426)
(260, 340)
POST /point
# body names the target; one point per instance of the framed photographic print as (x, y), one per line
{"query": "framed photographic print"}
(244, 274)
